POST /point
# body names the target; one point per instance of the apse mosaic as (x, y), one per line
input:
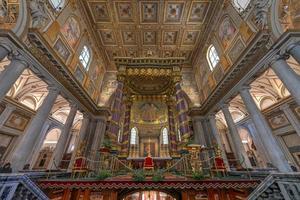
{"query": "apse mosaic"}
(149, 112)
(171, 28)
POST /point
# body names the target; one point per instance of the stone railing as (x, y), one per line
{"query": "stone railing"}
(278, 186)
(19, 186)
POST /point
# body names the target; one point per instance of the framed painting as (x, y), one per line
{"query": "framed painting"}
(278, 121)
(71, 31)
(79, 74)
(61, 49)
(236, 50)
(17, 121)
(5, 141)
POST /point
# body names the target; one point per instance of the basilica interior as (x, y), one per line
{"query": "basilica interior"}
(149, 99)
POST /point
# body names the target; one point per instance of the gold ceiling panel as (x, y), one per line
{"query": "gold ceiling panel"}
(170, 28)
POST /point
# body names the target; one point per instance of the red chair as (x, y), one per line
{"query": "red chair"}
(219, 166)
(80, 166)
(148, 163)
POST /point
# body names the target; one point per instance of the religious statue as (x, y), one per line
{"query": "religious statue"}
(38, 13)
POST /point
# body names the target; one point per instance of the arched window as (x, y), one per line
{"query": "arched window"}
(179, 135)
(85, 56)
(165, 138)
(212, 57)
(57, 4)
(133, 136)
(241, 5)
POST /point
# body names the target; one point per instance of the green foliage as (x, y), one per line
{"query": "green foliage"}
(139, 176)
(158, 176)
(103, 174)
(106, 143)
(198, 175)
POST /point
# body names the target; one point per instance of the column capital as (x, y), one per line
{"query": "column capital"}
(244, 88)
(278, 57)
(17, 56)
(73, 105)
(198, 118)
(291, 46)
(223, 105)
(285, 106)
(53, 89)
(6, 45)
(212, 116)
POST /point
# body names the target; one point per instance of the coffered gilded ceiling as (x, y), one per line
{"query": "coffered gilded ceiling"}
(148, 28)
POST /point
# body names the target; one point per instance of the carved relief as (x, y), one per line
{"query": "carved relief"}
(38, 13)
(9, 12)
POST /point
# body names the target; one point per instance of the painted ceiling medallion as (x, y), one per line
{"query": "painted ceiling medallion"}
(198, 12)
(100, 12)
(108, 37)
(170, 37)
(125, 11)
(129, 37)
(174, 12)
(149, 12)
(190, 37)
(149, 37)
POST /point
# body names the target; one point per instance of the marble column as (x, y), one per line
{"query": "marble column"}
(240, 152)
(182, 110)
(291, 117)
(99, 135)
(80, 142)
(215, 132)
(275, 152)
(288, 76)
(10, 75)
(114, 125)
(199, 136)
(21, 154)
(262, 151)
(294, 50)
(126, 130)
(6, 113)
(39, 143)
(63, 138)
(172, 129)
(3, 52)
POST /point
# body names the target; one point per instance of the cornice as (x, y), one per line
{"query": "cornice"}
(257, 48)
(252, 63)
(40, 49)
